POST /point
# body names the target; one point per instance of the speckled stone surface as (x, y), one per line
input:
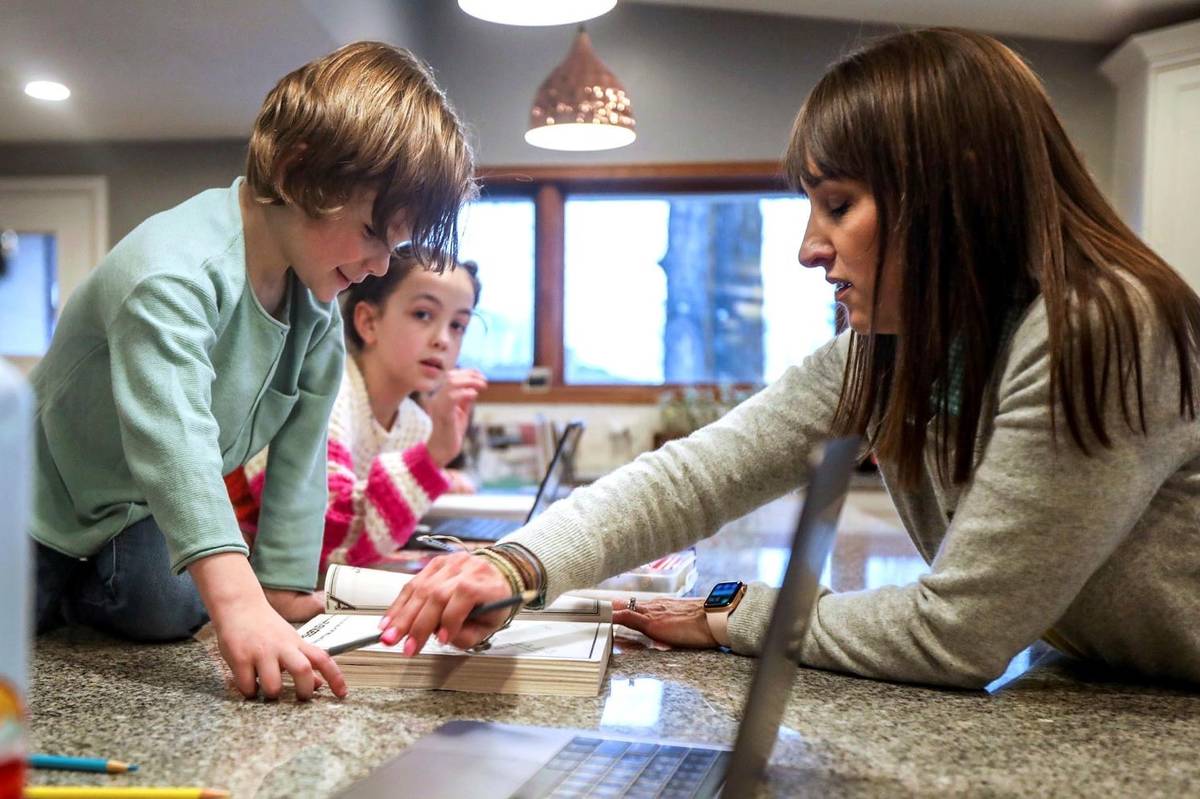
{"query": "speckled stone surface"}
(1051, 728)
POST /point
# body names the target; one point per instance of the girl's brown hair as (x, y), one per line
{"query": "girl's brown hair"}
(368, 116)
(986, 205)
(375, 289)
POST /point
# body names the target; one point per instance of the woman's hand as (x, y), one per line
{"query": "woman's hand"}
(678, 622)
(439, 599)
(450, 410)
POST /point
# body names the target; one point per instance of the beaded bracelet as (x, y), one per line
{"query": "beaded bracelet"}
(514, 581)
(530, 566)
(528, 575)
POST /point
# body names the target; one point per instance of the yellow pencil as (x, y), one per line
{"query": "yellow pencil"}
(92, 792)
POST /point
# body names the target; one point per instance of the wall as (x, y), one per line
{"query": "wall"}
(706, 85)
(143, 177)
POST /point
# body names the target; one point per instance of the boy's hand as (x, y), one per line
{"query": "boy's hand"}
(295, 606)
(253, 638)
(450, 410)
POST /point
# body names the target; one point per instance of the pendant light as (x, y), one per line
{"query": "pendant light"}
(536, 12)
(581, 105)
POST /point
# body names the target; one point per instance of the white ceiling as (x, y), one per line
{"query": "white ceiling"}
(148, 69)
(193, 69)
(1107, 21)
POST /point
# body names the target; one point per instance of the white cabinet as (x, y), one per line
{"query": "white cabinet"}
(1157, 169)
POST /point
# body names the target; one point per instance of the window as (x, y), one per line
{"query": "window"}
(623, 280)
(498, 235)
(28, 294)
(688, 288)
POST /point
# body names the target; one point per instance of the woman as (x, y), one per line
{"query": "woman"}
(1021, 364)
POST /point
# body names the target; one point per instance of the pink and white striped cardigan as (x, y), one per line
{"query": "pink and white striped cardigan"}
(380, 481)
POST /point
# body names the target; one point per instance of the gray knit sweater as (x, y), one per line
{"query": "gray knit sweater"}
(1099, 555)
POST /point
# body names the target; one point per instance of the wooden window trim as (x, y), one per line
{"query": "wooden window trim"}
(549, 187)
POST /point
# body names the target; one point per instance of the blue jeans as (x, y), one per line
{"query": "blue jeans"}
(127, 589)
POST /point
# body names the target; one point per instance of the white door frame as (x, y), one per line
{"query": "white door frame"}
(74, 209)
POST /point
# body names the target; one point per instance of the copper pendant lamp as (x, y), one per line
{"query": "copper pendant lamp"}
(581, 105)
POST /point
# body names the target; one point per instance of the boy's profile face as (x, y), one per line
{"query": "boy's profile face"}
(330, 253)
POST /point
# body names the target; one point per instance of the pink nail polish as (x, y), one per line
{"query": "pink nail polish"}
(409, 648)
(384, 622)
(390, 637)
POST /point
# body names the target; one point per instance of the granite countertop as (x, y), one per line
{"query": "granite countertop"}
(1050, 727)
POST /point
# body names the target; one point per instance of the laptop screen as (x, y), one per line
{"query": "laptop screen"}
(829, 478)
(563, 456)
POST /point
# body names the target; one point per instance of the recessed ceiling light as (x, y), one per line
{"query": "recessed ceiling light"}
(536, 12)
(47, 90)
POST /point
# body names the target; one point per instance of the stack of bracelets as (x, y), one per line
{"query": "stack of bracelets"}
(521, 568)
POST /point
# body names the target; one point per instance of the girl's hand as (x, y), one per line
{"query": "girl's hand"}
(678, 622)
(439, 599)
(450, 410)
(460, 482)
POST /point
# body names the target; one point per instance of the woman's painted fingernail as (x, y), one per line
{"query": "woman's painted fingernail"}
(410, 647)
(443, 636)
(384, 623)
(390, 636)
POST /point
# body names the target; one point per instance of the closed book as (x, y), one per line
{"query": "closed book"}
(563, 649)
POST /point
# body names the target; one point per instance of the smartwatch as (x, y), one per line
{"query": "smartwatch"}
(721, 601)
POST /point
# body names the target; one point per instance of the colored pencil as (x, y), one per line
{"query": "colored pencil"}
(93, 792)
(68, 763)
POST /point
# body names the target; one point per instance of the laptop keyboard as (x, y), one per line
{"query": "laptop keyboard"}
(476, 528)
(595, 767)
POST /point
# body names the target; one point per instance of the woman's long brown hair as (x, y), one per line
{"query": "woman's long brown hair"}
(986, 205)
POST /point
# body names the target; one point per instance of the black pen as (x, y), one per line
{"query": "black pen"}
(523, 598)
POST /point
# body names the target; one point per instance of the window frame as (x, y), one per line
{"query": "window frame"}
(549, 187)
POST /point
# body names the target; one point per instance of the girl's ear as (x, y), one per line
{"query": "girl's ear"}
(366, 317)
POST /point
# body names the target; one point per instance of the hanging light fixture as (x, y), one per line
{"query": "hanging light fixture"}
(536, 12)
(582, 105)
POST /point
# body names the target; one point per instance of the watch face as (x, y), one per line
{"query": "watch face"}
(722, 595)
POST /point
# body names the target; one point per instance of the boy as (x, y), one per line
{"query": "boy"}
(211, 331)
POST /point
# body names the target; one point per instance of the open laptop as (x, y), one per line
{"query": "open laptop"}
(483, 759)
(475, 528)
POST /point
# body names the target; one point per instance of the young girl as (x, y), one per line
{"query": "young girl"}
(1021, 364)
(212, 330)
(387, 456)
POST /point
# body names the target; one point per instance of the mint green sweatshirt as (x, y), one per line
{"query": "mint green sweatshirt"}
(165, 373)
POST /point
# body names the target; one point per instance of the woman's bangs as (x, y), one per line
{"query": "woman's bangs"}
(822, 147)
